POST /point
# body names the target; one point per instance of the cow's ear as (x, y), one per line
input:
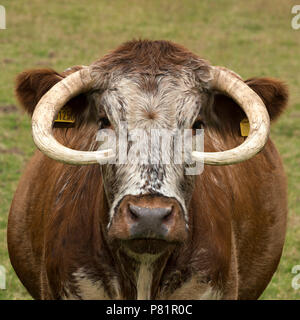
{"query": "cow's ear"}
(273, 93)
(31, 85)
(226, 115)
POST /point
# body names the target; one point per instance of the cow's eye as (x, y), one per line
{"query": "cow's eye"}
(104, 122)
(198, 124)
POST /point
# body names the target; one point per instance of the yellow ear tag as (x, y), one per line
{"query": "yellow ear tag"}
(245, 127)
(65, 115)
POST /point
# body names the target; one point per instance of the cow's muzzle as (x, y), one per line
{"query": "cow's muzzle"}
(139, 220)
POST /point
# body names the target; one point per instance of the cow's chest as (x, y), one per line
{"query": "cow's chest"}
(87, 288)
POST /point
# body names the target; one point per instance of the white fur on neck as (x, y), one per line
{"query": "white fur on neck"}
(144, 281)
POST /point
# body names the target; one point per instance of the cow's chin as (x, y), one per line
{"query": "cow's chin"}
(148, 246)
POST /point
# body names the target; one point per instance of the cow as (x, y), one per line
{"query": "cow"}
(83, 226)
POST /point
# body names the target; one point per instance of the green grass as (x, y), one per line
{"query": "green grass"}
(254, 38)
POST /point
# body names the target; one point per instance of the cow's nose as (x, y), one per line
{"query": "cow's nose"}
(149, 222)
(148, 217)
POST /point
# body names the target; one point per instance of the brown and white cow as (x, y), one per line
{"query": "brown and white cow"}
(80, 230)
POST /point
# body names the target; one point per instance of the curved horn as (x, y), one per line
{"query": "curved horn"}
(225, 81)
(45, 113)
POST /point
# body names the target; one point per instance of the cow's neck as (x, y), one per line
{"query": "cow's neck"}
(140, 275)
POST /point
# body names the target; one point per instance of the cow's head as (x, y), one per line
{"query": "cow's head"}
(150, 85)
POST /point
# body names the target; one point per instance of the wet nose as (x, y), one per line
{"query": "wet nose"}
(149, 222)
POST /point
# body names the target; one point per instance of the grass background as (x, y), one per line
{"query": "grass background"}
(254, 38)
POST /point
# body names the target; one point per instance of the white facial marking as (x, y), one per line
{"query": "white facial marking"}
(172, 104)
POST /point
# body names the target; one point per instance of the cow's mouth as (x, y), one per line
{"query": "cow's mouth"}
(151, 246)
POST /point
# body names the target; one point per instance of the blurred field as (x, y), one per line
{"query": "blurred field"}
(254, 38)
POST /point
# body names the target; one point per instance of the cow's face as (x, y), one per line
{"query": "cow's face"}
(149, 86)
(150, 200)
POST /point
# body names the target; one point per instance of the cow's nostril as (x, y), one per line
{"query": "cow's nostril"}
(168, 214)
(134, 213)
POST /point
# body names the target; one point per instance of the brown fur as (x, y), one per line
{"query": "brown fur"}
(225, 115)
(150, 57)
(59, 214)
(31, 85)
